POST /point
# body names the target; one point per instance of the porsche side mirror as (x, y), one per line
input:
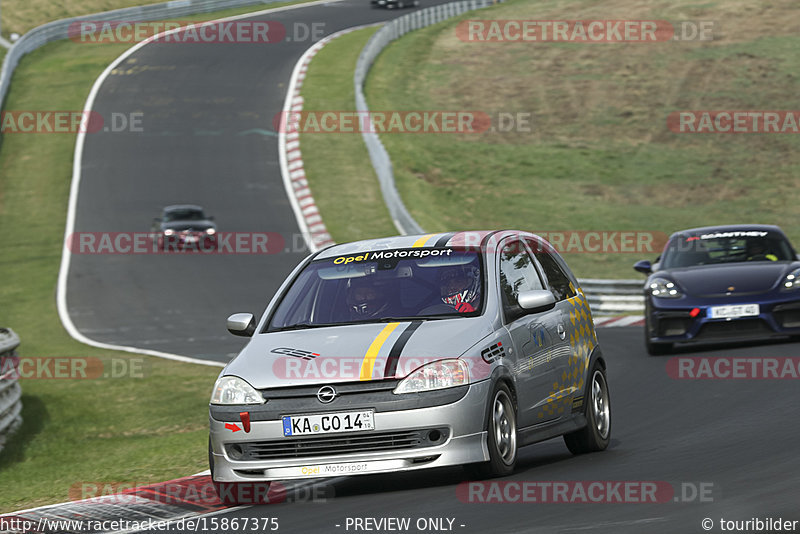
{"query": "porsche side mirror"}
(643, 266)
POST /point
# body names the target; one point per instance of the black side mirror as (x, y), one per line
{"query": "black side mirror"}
(643, 266)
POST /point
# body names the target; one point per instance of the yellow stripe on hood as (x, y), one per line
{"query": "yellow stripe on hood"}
(372, 352)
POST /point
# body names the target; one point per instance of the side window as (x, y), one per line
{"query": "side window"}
(556, 279)
(517, 273)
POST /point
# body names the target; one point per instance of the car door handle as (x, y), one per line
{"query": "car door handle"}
(561, 332)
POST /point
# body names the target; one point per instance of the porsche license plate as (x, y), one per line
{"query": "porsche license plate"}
(734, 311)
(328, 423)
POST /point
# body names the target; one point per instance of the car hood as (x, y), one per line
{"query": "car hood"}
(337, 354)
(746, 277)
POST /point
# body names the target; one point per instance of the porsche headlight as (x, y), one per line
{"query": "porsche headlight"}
(440, 374)
(663, 288)
(210, 231)
(792, 281)
(169, 232)
(235, 390)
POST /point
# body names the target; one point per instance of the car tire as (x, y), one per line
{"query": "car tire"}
(501, 428)
(596, 435)
(228, 492)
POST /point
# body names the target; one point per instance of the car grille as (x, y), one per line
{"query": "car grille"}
(339, 445)
(737, 328)
(788, 316)
(673, 326)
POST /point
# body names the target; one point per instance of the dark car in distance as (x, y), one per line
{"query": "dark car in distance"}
(184, 226)
(721, 283)
(390, 4)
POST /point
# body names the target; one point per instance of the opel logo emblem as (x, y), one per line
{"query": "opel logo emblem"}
(326, 394)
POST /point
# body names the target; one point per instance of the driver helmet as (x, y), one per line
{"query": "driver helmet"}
(460, 286)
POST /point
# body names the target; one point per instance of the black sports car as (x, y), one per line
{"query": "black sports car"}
(721, 283)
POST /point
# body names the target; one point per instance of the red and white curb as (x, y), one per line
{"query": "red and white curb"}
(291, 158)
(620, 320)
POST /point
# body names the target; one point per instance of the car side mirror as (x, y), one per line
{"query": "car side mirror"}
(210, 218)
(156, 219)
(242, 324)
(537, 300)
(643, 266)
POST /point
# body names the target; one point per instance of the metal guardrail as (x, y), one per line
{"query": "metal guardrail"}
(10, 391)
(392, 30)
(612, 297)
(59, 29)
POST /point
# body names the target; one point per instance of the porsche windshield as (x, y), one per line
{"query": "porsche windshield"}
(386, 285)
(726, 247)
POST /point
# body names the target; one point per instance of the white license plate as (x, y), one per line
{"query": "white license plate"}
(738, 310)
(191, 239)
(327, 423)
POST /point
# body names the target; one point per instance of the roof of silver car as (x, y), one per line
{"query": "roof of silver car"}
(452, 239)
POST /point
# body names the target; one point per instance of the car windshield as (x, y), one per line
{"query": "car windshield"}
(184, 215)
(387, 285)
(726, 247)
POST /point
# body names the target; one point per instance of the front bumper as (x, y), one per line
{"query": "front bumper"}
(671, 321)
(461, 424)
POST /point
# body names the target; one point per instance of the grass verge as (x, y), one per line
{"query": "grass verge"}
(141, 428)
(599, 155)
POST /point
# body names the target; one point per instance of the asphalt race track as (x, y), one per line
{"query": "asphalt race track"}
(732, 440)
(207, 137)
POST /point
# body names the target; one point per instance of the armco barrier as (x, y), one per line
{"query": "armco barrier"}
(58, 30)
(10, 392)
(612, 297)
(392, 30)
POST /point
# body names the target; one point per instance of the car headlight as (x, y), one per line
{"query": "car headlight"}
(440, 374)
(792, 281)
(169, 232)
(235, 390)
(210, 231)
(663, 288)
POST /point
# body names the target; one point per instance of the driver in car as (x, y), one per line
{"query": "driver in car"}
(365, 299)
(460, 286)
(757, 251)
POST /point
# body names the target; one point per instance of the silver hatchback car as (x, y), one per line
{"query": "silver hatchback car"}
(411, 352)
